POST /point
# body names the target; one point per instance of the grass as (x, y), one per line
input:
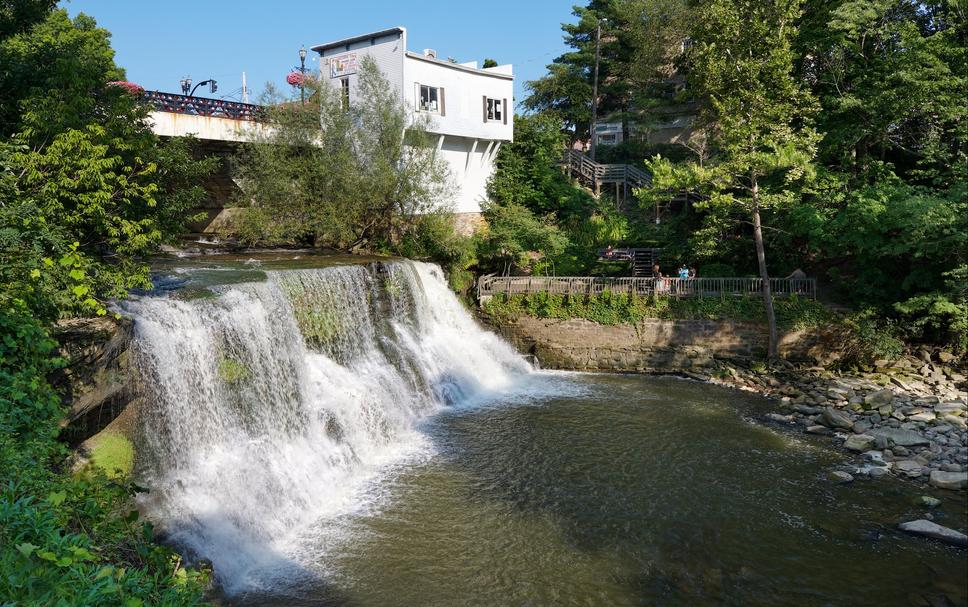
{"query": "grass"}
(114, 454)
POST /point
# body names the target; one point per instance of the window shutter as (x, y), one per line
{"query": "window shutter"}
(485, 107)
(443, 109)
(504, 114)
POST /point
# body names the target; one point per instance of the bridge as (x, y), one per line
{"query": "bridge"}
(219, 126)
(175, 115)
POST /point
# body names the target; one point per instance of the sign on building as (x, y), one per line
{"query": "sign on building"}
(342, 65)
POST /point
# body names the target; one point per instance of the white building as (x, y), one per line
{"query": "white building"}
(471, 108)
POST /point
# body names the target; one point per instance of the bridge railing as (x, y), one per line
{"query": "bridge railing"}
(202, 106)
(488, 286)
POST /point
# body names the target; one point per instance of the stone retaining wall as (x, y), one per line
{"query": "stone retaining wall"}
(652, 345)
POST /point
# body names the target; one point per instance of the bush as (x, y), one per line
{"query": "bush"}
(615, 308)
(69, 539)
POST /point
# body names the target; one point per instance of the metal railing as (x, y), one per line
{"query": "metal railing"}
(201, 106)
(488, 286)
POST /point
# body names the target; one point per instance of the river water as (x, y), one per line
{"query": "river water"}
(349, 436)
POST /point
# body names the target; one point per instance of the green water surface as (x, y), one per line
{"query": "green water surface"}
(633, 491)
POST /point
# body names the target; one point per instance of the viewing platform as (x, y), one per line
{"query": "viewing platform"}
(488, 286)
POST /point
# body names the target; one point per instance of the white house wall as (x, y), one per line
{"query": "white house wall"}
(464, 90)
(387, 51)
(470, 141)
(470, 167)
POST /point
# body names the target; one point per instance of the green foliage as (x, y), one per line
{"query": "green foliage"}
(113, 454)
(86, 191)
(232, 371)
(340, 177)
(516, 237)
(68, 539)
(617, 308)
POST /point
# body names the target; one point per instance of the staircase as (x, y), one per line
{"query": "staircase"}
(594, 174)
(642, 261)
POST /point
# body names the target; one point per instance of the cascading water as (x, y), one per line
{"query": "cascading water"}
(268, 406)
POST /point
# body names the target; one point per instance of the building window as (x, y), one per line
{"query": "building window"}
(344, 90)
(607, 139)
(429, 98)
(495, 110)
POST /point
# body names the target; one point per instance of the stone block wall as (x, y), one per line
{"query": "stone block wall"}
(650, 346)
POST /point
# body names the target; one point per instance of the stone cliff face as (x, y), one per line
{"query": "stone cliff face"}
(98, 380)
(653, 345)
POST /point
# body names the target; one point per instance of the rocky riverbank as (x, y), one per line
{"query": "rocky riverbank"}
(905, 418)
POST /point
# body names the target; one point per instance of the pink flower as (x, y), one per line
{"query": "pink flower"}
(131, 87)
(295, 78)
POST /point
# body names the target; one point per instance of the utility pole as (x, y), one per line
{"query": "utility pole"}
(245, 90)
(591, 130)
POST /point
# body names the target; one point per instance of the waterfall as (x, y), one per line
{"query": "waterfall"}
(268, 406)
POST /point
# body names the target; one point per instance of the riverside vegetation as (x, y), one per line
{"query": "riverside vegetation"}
(86, 190)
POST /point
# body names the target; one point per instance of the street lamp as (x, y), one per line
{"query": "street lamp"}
(213, 86)
(302, 70)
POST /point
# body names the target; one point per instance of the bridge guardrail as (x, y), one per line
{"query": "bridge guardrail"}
(202, 106)
(488, 286)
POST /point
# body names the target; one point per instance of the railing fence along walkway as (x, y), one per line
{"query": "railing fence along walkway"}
(202, 106)
(488, 286)
(594, 174)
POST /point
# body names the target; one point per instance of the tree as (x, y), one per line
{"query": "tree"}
(488, 62)
(567, 89)
(342, 177)
(513, 233)
(742, 65)
(88, 189)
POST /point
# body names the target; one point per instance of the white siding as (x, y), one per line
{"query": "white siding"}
(470, 142)
(387, 51)
(464, 91)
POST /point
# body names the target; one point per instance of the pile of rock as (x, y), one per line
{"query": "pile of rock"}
(909, 425)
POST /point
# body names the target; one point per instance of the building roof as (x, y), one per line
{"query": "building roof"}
(458, 66)
(319, 48)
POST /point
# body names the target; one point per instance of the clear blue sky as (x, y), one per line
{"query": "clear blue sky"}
(160, 42)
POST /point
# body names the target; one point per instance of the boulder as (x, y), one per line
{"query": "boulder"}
(899, 437)
(908, 467)
(927, 501)
(923, 417)
(859, 442)
(949, 480)
(878, 399)
(839, 476)
(935, 531)
(833, 418)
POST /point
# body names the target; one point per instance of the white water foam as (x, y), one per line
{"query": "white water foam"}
(251, 437)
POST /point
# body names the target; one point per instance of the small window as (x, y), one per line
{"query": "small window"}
(429, 98)
(607, 139)
(495, 110)
(344, 88)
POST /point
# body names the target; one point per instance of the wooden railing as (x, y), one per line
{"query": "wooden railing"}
(488, 286)
(595, 174)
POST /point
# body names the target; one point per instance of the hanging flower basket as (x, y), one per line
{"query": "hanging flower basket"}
(295, 78)
(131, 87)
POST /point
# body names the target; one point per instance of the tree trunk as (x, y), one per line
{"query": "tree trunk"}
(773, 351)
